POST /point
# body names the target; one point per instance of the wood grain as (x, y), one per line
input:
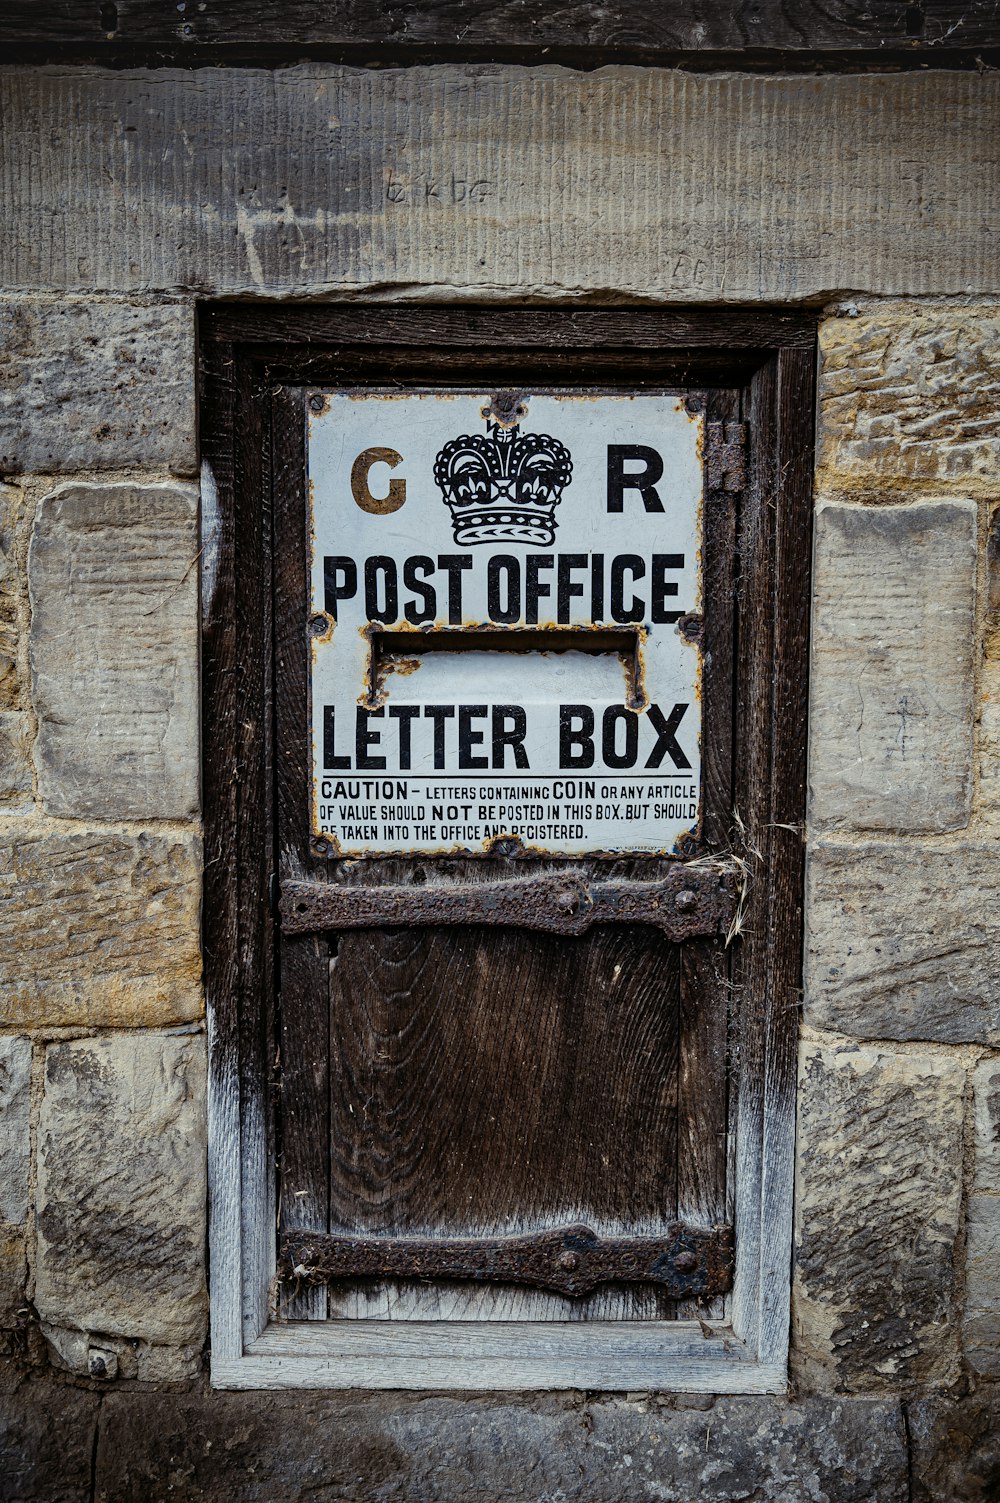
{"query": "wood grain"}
(630, 28)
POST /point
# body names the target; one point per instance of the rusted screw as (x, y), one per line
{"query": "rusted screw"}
(569, 1261)
(319, 845)
(686, 1262)
(318, 624)
(567, 902)
(317, 403)
(686, 900)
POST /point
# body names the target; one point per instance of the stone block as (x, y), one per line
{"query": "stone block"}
(989, 742)
(650, 182)
(302, 1447)
(15, 1107)
(891, 713)
(878, 1212)
(903, 941)
(114, 651)
(11, 512)
(96, 386)
(16, 735)
(46, 1440)
(981, 1326)
(122, 1187)
(15, 1163)
(98, 928)
(955, 1448)
(108, 1358)
(909, 394)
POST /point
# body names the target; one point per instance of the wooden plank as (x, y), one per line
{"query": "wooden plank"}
(792, 558)
(487, 1082)
(222, 970)
(466, 27)
(304, 960)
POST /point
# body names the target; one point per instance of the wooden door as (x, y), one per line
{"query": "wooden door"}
(471, 1082)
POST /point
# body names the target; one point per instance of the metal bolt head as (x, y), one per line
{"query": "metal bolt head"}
(567, 902)
(319, 845)
(686, 1262)
(569, 1262)
(686, 900)
(317, 403)
(318, 624)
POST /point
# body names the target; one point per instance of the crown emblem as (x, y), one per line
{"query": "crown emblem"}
(503, 488)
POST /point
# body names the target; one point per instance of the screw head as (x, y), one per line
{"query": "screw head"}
(686, 1262)
(318, 624)
(319, 845)
(569, 1261)
(317, 403)
(567, 902)
(686, 900)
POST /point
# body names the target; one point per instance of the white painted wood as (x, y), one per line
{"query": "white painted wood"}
(224, 1228)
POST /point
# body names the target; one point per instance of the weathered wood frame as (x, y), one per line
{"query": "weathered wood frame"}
(247, 354)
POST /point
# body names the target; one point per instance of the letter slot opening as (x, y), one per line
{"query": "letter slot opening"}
(514, 665)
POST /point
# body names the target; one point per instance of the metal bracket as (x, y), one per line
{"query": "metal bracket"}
(695, 899)
(726, 456)
(685, 1262)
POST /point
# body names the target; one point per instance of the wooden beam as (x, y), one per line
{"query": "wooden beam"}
(810, 33)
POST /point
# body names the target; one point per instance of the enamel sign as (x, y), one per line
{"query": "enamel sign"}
(506, 594)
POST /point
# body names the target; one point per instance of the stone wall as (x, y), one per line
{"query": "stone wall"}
(131, 196)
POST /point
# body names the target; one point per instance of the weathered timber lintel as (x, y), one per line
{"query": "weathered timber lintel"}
(684, 1262)
(693, 900)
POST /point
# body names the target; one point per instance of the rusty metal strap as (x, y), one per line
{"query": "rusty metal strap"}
(685, 1262)
(694, 899)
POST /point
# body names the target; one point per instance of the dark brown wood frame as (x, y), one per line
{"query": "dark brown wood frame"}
(702, 33)
(249, 355)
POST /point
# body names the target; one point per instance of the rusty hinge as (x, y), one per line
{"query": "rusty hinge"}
(693, 899)
(726, 456)
(685, 1262)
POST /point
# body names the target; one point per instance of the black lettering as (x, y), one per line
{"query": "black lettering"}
(508, 565)
(566, 587)
(331, 759)
(643, 481)
(576, 736)
(418, 614)
(510, 726)
(364, 738)
(468, 738)
(636, 566)
(439, 714)
(597, 587)
(405, 714)
(614, 716)
(381, 565)
(666, 739)
(660, 587)
(336, 588)
(533, 589)
(454, 564)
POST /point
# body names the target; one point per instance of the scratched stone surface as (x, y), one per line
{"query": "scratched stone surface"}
(122, 1187)
(910, 394)
(96, 386)
(15, 1166)
(657, 183)
(981, 1326)
(892, 686)
(878, 1213)
(290, 1448)
(903, 941)
(11, 585)
(16, 735)
(113, 576)
(98, 928)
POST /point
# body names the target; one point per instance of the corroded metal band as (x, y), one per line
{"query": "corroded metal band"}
(684, 1263)
(693, 900)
